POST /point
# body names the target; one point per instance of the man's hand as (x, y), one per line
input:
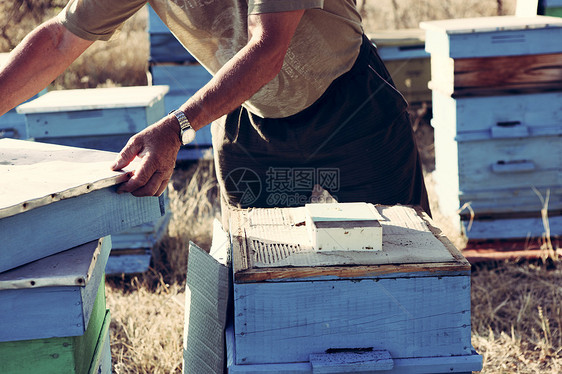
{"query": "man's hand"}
(157, 146)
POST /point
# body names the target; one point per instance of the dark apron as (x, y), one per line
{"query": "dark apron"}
(356, 141)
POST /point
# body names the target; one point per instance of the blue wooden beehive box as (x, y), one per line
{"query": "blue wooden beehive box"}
(96, 118)
(481, 56)
(53, 198)
(53, 296)
(102, 118)
(54, 317)
(164, 47)
(403, 309)
(498, 142)
(404, 55)
(553, 8)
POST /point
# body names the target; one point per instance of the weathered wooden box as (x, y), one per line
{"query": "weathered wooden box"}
(480, 56)
(404, 55)
(54, 296)
(553, 8)
(164, 47)
(53, 198)
(497, 149)
(294, 306)
(108, 115)
(85, 354)
(101, 119)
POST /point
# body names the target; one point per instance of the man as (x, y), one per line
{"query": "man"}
(298, 97)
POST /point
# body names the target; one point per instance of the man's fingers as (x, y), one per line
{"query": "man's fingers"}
(142, 176)
(162, 187)
(127, 154)
(152, 187)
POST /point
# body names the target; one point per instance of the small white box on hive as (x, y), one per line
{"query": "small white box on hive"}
(344, 226)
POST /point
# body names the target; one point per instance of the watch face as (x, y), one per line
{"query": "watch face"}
(187, 136)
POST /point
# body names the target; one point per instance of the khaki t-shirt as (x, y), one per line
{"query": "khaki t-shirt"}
(325, 45)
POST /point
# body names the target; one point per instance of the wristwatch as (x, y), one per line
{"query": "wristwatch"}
(187, 134)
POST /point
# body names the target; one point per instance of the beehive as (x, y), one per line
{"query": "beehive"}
(54, 312)
(403, 53)
(64, 197)
(97, 118)
(497, 119)
(553, 8)
(296, 309)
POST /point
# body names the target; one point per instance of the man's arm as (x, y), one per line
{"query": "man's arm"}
(269, 36)
(41, 57)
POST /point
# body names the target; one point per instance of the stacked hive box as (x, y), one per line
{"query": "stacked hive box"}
(104, 119)
(497, 113)
(403, 309)
(172, 65)
(55, 204)
(403, 53)
(553, 8)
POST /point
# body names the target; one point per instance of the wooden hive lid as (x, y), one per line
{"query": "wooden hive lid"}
(270, 244)
(37, 174)
(491, 24)
(94, 98)
(73, 267)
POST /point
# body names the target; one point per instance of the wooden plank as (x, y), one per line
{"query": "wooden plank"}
(40, 180)
(470, 114)
(492, 36)
(101, 360)
(128, 263)
(488, 75)
(43, 305)
(59, 355)
(164, 47)
(142, 236)
(94, 99)
(554, 12)
(12, 125)
(511, 228)
(70, 222)
(350, 362)
(415, 317)
(273, 243)
(207, 297)
(459, 364)
(97, 122)
(110, 143)
(183, 80)
(73, 267)
(32, 174)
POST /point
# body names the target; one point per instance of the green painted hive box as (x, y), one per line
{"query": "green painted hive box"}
(83, 354)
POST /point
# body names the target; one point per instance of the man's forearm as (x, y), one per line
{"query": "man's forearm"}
(248, 71)
(42, 56)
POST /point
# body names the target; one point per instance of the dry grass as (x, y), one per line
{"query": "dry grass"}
(516, 307)
(146, 326)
